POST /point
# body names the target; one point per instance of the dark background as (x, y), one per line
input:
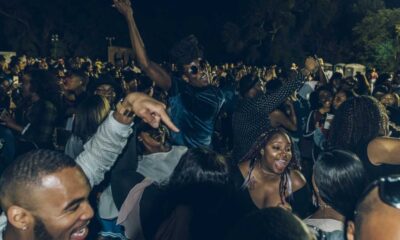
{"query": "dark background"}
(256, 31)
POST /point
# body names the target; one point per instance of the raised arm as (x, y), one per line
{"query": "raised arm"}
(294, 81)
(384, 150)
(153, 70)
(106, 145)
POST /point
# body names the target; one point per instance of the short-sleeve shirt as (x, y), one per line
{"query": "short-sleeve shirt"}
(194, 111)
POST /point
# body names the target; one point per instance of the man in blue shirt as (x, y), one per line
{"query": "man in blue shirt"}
(194, 103)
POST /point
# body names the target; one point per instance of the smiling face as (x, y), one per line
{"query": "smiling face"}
(277, 153)
(340, 98)
(61, 206)
(197, 74)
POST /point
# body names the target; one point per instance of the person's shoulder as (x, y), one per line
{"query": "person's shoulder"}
(298, 180)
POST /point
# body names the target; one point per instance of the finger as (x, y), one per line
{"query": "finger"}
(155, 122)
(167, 120)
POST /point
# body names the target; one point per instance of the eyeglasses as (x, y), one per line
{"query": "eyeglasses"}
(195, 69)
(388, 190)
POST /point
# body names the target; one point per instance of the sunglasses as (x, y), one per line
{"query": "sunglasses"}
(388, 190)
(195, 69)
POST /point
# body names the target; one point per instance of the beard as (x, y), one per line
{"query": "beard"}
(40, 231)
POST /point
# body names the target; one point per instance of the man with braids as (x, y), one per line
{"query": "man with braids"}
(361, 125)
(251, 116)
(268, 176)
(44, 194)
(194, 103)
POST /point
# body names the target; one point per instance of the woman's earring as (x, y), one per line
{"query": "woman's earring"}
(262, 152)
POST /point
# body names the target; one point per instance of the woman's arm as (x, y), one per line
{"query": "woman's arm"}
(278, 118)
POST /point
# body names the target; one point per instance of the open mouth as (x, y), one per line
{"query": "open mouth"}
(80, 233)
(281, 164)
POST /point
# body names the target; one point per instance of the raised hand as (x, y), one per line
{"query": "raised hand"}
(149, 109)
(124, 7)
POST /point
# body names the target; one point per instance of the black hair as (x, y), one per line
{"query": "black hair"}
(254, 156)
(340, 178)
(273, 85)
(383, 89)
(199, 166)
(130, 76)
(26, 171)
(315, 101)
(246, 83)
(336, 76)
(187, 50)
(270, 224)
(348, 93)
(357, 121)
(79, 74)
(89, 115)
(200, 182)
(145, 84)
(45, 85)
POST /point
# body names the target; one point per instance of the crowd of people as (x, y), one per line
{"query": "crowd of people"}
(194, 151)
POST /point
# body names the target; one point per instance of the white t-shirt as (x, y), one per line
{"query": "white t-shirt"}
(3, 224)
(101, 151)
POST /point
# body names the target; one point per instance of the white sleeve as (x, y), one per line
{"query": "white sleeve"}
(102, 150)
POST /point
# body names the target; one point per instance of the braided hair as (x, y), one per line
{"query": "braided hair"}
(254, 156)
(357, 121)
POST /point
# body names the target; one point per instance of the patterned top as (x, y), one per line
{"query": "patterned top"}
(251, 117)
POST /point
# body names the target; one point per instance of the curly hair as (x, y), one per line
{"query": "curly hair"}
(357, 121)
(187, 50)
(254, 156)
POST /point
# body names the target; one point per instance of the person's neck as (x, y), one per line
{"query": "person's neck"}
(11, 233)
(159, 149)
(266, 174)
(327, 212)
(324, 110)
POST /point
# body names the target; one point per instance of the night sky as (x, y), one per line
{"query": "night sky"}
(161, 22)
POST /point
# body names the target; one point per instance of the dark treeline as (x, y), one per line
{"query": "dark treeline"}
(255, 31)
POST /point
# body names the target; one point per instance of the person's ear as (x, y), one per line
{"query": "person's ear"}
(350, 231)
(20, 218)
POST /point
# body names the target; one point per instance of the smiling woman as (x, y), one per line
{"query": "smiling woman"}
(269, 175)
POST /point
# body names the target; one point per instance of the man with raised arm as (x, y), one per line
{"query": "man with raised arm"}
(194, 103)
